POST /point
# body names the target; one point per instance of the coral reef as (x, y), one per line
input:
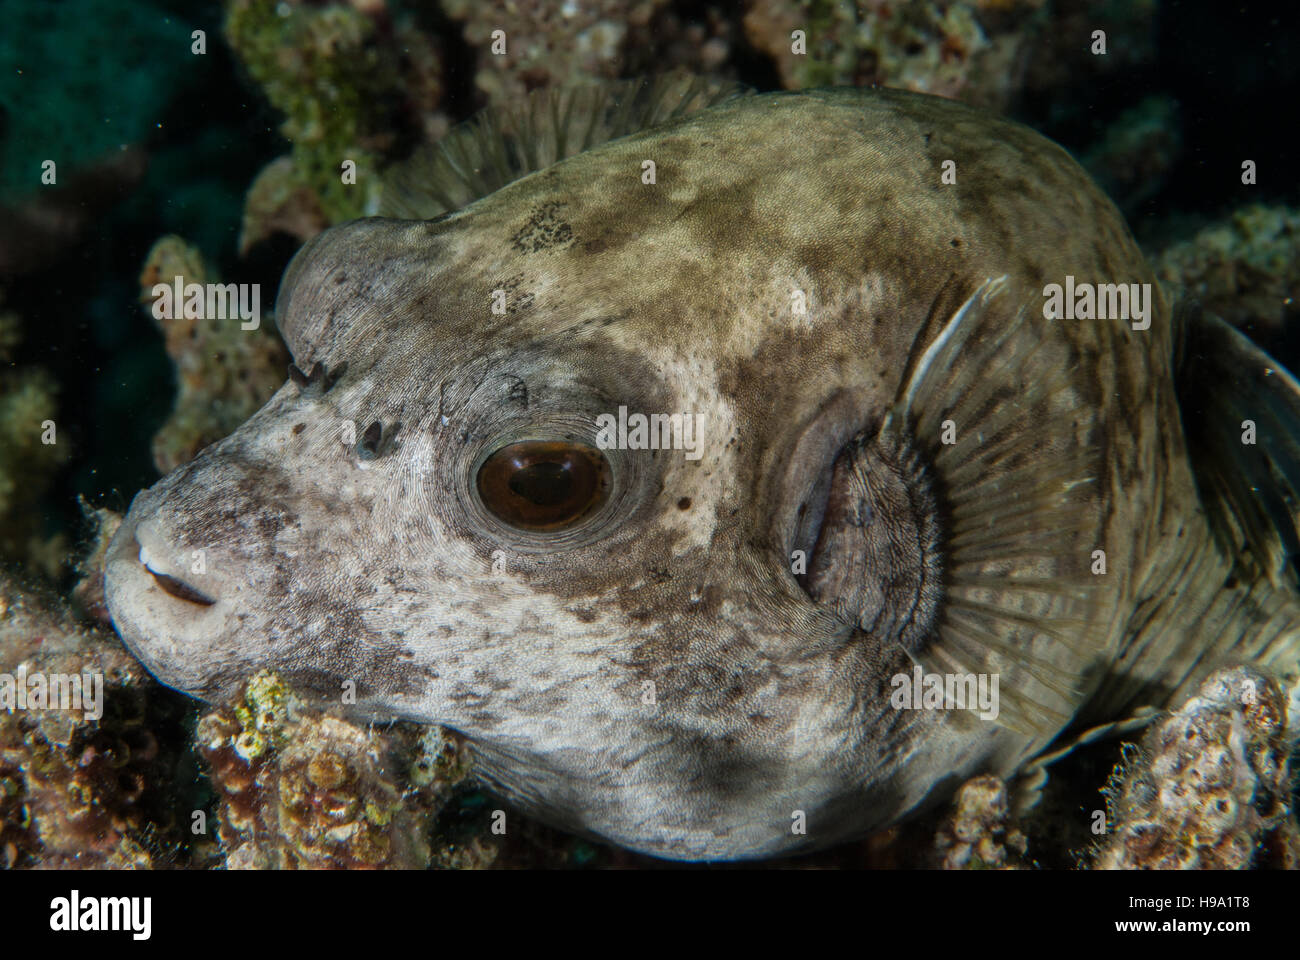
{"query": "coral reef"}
(967, 51)
(1245, 268)
(700, 39)
(1209, 787)
(351, 79)
(279, 202)
(32, 448)
(990, 53)
(224, 372)
(77, 790)
(88, 593)
(548, 44)
(978, 834)
(298, 788)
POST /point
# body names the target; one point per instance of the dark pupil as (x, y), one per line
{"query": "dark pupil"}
(545, 484)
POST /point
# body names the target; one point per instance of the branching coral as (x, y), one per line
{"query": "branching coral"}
(224, 372)
(348, 79)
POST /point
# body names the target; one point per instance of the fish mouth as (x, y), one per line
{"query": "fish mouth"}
(137, 547)
(175, 586)
(163, 617)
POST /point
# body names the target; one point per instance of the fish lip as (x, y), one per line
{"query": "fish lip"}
(128, 557)
(129, 585)
(178, 588)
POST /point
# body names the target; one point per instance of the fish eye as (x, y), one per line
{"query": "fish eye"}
(543, 484)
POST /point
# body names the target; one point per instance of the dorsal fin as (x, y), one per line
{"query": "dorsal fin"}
(504, 143)
(1227, 387)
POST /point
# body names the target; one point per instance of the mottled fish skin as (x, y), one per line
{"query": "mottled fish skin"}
(672, 297)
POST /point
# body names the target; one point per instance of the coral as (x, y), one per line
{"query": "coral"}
(990, 53)
(349, 78)
(298, 788)
(224, 373)
(967, 51)
(77, 790)
(32, 448)
(279, 202)
(978, 834)
(549, 44)
(699, 40)
(1209, 787)
(88, 593)
(1246, 268)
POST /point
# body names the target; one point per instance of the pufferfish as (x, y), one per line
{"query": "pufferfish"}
(699, 459)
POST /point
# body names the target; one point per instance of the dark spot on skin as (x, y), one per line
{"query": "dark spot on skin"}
(299, 428)
(684, 503)
(515, 300)
(544, 230)
(519, 393)
(955, 242)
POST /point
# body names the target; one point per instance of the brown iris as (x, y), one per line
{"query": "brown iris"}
(543, 485)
